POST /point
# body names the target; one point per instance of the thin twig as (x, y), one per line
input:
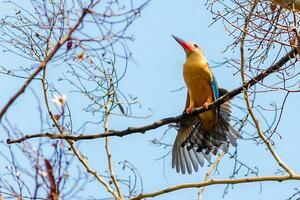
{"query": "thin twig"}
(264, 139)
(210, 171)
(44, 63)
(107, 149)
(91, 171)
(249, 107)
(60, 129)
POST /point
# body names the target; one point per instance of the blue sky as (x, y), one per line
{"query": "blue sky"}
(156, 73)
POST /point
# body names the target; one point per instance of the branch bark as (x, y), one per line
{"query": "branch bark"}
(169, 120)
(216, 182)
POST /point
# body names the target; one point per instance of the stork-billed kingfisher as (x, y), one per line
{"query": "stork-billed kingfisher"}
(200, 136)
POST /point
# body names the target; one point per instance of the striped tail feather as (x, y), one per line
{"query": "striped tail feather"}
(193, 145)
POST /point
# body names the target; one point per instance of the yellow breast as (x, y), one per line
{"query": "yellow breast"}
(198, 78)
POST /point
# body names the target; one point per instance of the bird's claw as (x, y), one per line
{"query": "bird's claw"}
(188, 110)
(205, 105)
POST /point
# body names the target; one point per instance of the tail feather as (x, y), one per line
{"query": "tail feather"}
(200, 157)
(187, 160)
(232, 139)
(193, 145)
(225, 147)
(186, 155)
(193, 159)
(182, 160)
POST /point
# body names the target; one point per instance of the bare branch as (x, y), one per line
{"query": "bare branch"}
(107, 148)
(210, 171)
(216, 182)
(164, 121)
(44, 63)
(246, 97)
(91, 171)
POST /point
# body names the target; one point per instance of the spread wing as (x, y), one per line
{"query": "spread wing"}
(214, 87)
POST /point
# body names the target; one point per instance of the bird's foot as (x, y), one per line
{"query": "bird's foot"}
(205, 105)
(188, 110)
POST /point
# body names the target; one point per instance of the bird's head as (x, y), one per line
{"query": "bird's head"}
(190, 48)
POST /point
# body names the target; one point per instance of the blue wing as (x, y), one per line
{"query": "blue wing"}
(215, 88)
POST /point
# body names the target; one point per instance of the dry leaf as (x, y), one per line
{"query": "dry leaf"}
(293, 41)
(69, 45)
(81, 56)
(273, 7)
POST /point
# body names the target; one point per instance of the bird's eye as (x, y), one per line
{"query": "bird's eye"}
(195, 45)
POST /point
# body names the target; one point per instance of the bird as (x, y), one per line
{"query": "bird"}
(202, 135)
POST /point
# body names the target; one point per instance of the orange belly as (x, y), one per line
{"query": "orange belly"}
(197, 100)
(198, 81)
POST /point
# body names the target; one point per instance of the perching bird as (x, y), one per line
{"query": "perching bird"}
(204, 134)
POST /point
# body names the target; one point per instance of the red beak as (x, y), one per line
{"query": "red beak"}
(184, 44)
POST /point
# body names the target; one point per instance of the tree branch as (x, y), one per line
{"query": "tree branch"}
(216, 182)
(44, 63)
(210, 171)
(107, 147)
(164, 121)
(91, 171)
(249, 107)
